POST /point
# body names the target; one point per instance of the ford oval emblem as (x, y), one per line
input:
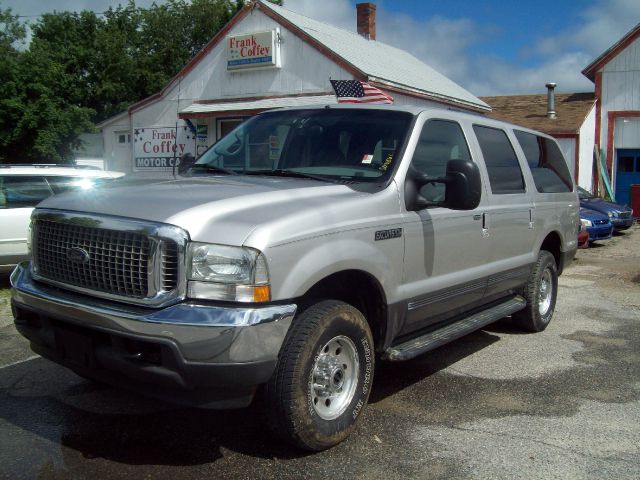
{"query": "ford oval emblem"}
(77, 255)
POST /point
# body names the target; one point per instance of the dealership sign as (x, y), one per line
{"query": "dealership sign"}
(159, 148)
(253, 50)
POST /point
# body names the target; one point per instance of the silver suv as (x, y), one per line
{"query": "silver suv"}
(299, 250)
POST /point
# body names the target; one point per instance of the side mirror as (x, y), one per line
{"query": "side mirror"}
(463, 187)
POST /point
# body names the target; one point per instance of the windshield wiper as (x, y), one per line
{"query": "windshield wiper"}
(288, 173)
(212, 168)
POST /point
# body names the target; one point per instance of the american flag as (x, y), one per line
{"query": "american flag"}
(355, 91)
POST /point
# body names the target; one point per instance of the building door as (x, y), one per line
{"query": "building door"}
(627, 173)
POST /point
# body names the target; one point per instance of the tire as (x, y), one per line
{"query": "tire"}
(540, 294)
(323, 377)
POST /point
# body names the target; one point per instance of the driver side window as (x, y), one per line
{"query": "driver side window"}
(440, 141)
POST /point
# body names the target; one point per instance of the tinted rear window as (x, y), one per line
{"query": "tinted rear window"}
(505, 175)
(548, 166)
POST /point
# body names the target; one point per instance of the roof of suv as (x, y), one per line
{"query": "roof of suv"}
(416, 110)
(56, 170)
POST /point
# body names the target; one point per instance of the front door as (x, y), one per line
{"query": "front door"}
(446, 250)
(627, 173)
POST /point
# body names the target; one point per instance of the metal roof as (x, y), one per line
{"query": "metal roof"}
(381, 63)
(265, 103)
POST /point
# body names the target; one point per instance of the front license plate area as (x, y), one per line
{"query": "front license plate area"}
(75, 348)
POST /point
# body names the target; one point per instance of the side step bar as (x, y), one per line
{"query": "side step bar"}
(437, 338)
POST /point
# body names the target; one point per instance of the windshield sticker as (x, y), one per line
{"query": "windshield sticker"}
(367, 159)
(387, 162)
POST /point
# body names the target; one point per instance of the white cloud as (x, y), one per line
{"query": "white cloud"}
(444, 44)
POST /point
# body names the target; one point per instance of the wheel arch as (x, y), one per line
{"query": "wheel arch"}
(359, 289)
(552, 243)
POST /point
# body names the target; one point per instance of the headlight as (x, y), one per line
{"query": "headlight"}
(220, 272)
(586, 223)
(611, 214)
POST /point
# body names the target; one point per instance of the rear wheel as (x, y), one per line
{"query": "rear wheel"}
(323, 377)
(540, 294)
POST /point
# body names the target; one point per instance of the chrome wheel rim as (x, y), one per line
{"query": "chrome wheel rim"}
(545, 292)
(334, 377)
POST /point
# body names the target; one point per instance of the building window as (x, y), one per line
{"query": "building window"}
(226, 125)
(123, 138)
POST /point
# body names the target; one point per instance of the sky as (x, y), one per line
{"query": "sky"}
(491, 47)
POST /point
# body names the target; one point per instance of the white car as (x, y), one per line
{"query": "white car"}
(24, 186)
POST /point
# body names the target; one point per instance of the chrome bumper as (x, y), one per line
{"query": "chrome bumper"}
(193, 345)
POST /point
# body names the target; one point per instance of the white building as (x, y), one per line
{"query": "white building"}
(266, 57)
(616, 74)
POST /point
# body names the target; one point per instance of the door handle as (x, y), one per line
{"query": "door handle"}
(485, 225)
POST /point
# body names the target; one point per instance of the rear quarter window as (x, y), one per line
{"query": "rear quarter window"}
(546, 162)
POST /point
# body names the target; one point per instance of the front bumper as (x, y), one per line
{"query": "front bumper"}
(622, 223)
(190, 353)
(600, 232)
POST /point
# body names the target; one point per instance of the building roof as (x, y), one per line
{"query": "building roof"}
(114, 119)
(611, 52)
(531, 111)
(381, 64)
(386, 67)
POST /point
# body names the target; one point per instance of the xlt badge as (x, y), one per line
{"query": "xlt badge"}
(387, 234)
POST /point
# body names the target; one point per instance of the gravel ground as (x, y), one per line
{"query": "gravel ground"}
(495, 404)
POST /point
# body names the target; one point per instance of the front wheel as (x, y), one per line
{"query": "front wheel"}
(540, 294)
(323, 377)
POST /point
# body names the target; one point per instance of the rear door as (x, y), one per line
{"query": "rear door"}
(508, 214)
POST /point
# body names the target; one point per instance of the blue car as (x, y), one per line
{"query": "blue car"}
(598, 225)
(621, 215)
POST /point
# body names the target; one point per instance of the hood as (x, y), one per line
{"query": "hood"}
(589, 214)
(601, 205)
(212, 209)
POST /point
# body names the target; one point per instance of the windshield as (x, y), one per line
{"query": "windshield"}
(328, 144)
(583, 194)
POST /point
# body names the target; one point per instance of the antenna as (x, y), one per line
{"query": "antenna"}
(175, 140)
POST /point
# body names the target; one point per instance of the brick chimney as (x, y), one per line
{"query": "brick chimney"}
(366, 19)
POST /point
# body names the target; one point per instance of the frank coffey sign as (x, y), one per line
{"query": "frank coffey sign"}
(253, 50)
(155, 148)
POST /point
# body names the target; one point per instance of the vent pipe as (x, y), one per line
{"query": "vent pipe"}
(551, 100)
(366, 20)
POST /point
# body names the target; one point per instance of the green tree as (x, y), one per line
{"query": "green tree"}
(12, 35)
(81, 68)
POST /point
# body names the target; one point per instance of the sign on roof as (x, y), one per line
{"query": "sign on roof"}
(253, 50)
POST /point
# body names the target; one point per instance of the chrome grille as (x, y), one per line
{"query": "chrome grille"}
(625, 214)
(117, 261)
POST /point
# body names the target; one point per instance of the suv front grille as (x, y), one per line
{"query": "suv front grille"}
(116, 262)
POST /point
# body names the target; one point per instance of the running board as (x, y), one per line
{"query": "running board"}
(437, 338)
